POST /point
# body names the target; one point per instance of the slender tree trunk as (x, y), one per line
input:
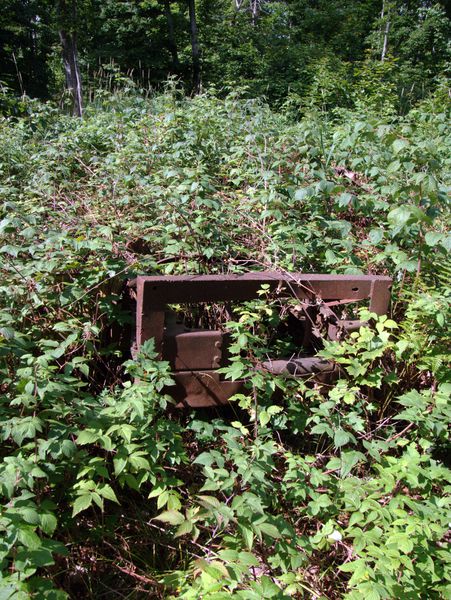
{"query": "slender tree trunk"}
(68, 37)
(386, 30)
(255, 5)
(171, 37)
(19, 75)
(385, 43)
(195, 47)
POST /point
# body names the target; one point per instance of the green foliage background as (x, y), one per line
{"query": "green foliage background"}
(338, 493)
(322, 52)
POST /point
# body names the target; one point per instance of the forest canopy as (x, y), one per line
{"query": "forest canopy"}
(326, 52)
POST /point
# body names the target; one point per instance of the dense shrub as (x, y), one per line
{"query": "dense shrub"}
(323, 494)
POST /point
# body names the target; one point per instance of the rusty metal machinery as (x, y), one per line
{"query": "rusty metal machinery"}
(195, 354)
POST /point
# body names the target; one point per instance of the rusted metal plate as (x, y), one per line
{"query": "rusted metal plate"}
(202, 388)
(196, 349)
(194, 354)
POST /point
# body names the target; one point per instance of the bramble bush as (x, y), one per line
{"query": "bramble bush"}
(296, 490)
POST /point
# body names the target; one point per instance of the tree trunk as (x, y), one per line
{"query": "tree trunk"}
(255, 5)
(385, 44)
(68, 39)
(195, 47)
(171, 37)
(387, 29)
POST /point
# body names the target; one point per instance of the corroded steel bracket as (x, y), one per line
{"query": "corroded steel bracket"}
(196, 354)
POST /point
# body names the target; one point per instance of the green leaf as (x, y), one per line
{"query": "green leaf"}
(242, 340)
(30, 515)
(29, 538)
(406, 214)
(205, 458)
(432, 238)
(375, 236)
(235, 371)
(401, 541)
(209, 502)
(248, 559)
(344, 199)
(399, 145)
(270, 530)
(119, 464)
(106, 491)
(351, 567)
(440, 318)
(349, 460)
(162, 499)
(267, 587)
(184, 528)
(248, 535)
(263, 417)
(341, 437)
(48, 523)
(302, 193)
(173, 517)
(81, 503)
(157, 490)
(88, 436)
(356, 517)
(40, 557)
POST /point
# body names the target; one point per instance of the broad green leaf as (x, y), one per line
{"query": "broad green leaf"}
(344, 199)
(399, 145)
(341, 437)
(106, 491)
(263, 417)
(432, 238)
(48, 523)
(173, 517)
(401, 541)
(119, 464)
(29, 538)
(270, 530)
(184, 528)
(81, 503)
(88, 436)
(248, 535)
(209, 502)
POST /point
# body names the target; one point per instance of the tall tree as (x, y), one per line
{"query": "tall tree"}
(385, 21)
(172, 44)
(67, 16)
(255, 9)
(195, 47)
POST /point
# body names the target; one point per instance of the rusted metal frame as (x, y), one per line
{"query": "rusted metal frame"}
(200, 387)
(380, 295)
(240, 287)
(154, 293)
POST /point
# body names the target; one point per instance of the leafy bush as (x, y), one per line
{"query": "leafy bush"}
(305, 491)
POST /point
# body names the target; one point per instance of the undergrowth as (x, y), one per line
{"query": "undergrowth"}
(298, 490)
